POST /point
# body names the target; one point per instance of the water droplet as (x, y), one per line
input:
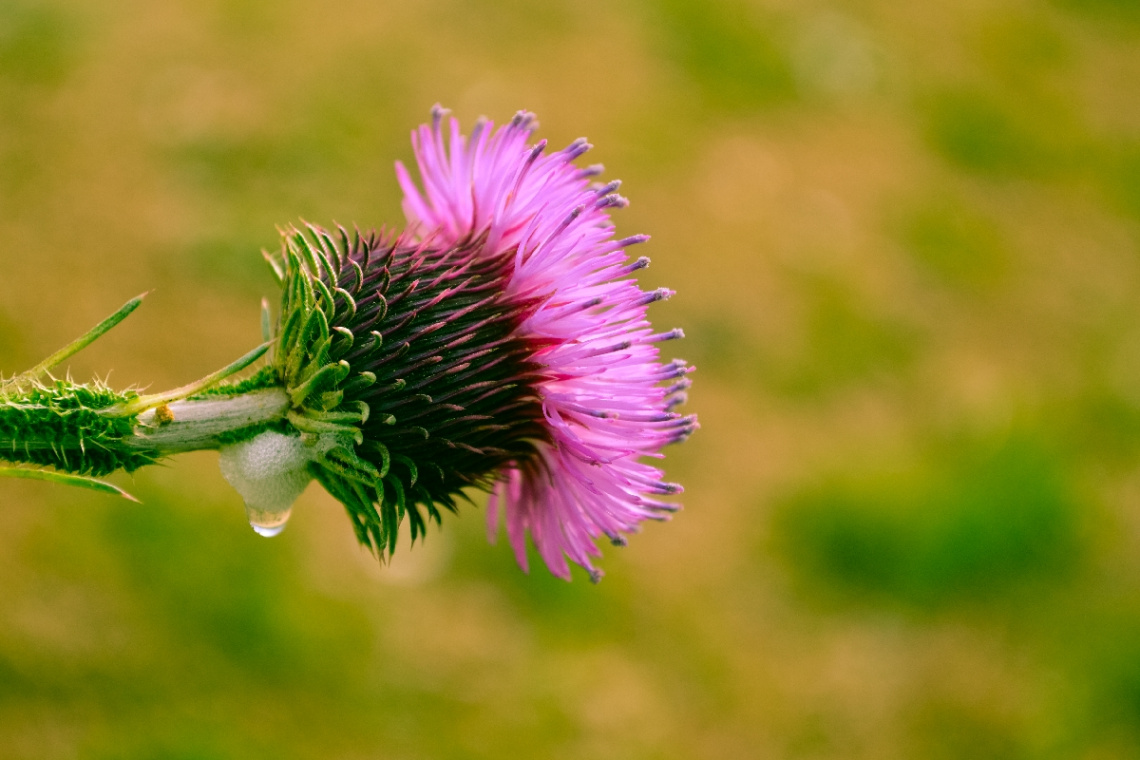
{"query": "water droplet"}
(269, 471)
(267, 522)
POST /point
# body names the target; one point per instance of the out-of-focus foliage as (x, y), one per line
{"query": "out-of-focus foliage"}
(969, 527)
(906, 244)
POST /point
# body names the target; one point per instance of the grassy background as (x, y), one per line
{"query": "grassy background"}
(905, 239)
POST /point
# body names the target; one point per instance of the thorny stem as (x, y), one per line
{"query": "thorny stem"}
(58, 430)
(84, 431)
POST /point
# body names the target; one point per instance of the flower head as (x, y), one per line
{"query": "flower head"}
(500, 342)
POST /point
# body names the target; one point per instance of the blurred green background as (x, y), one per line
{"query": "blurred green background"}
(905, 239)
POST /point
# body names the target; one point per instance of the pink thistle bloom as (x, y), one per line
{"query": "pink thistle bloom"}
(607, 400)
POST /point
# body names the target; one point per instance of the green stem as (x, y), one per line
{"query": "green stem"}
(82, 430)
(206, 423)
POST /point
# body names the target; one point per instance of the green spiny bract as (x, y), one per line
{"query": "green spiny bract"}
(406, 356)
(69, 427)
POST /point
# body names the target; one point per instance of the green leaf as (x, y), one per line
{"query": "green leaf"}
(77, 345)
(79, 481)
(142, 403)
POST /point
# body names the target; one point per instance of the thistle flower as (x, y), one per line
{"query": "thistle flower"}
(499, 342)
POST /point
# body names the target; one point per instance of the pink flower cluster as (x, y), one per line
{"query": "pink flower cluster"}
(606, 397)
